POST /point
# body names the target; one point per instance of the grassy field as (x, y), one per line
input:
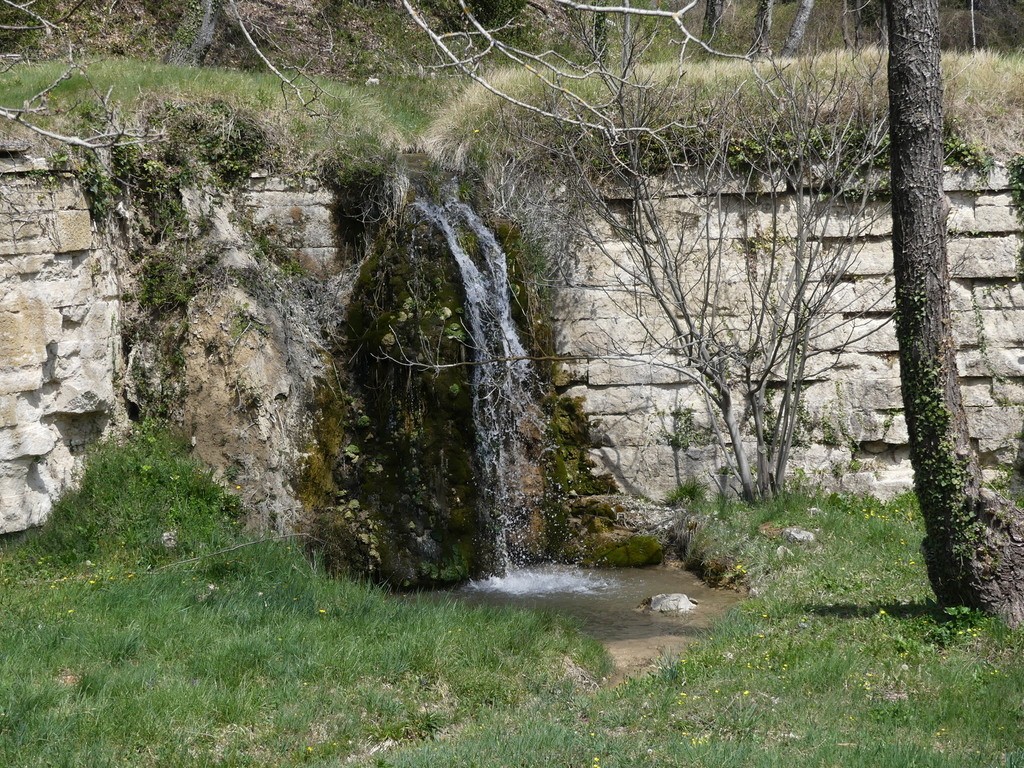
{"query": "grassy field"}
(120, 652)
(315, 117)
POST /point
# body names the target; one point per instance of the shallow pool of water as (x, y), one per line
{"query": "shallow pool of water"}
(605, 600)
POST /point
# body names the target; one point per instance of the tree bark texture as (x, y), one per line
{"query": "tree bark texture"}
(713, 12)
(762, 44)
(194, 35)
(798, 28)
(974, 543)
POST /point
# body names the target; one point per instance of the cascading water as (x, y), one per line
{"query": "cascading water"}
(503, 379)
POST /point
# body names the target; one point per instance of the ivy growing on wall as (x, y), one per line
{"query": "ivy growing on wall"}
(1015, 170)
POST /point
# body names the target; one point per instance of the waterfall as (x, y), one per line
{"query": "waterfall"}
(502, 379)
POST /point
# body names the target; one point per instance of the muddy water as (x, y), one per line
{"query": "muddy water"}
(606, 602)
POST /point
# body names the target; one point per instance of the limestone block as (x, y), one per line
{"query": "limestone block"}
(821, 459)
(600, 401)
(1006, 296)
(1008, 391)
(961, 296)
(651, 470)
(27, 325)
(299, 227)
(871, 257)
(32, 439)
(896, 432)
(977, 392)
(996, 427)
(886, 427)
(992, 362)
(23, 164)
(289, 198)
(73, 231)
(844, 221)
(634, 370)
(603, 264)
(570, 371)
(961, 212)
(284, 184)
(67, 195)
(66, 292)
(1000, 327)
(868, 294)
(37, 245)
(8, 410)
(635, 429)
(967, 180)
(23, 227)
(875, 394)
(860, 335)
(967, 329)
(995, 213)
(76, 396)
(96, 319)
(612, 337)
(580, 304)
(854, 366)
(998, 177)
(27, 379)
(652, 426)
(892, 480)
(20, 266)
(983, 257)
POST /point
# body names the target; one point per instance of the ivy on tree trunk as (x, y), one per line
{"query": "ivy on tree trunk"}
(194, 35)
(974, 543)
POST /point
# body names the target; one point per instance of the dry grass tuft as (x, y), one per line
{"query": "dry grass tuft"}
(984, 98)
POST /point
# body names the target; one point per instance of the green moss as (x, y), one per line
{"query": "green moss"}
(414, 474)
(635, 552)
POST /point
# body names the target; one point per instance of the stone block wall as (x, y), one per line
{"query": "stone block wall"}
(852, 434)
(59, 338)
(63, 379)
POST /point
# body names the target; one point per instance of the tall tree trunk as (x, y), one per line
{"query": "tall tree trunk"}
(761, 44)
(194, 35)
(798, 29)
(713, 12)
(974, 543)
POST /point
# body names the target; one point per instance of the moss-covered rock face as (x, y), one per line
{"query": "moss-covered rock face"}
(400, 500)
(571, 518)
(634, 552)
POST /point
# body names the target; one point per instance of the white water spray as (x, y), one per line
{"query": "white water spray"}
(503, 379)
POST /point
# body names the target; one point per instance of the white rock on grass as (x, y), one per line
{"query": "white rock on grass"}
(797, 535)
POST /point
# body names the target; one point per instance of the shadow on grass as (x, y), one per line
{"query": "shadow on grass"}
(918, 610)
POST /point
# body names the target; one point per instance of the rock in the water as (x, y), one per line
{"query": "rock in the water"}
(797, 535)
(674, 603)
(634, 552)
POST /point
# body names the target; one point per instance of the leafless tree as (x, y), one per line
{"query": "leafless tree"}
(798, 29)
(741, 303)
(195, 33)
(30, 114)
(761, 44)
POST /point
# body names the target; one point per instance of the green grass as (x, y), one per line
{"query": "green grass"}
(841, 660)
(116, 655)
(337, 115)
